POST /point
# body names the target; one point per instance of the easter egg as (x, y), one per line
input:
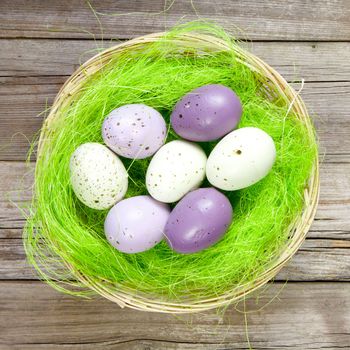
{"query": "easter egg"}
(206, 113)
(240, 159)
(177, 168)
(134, 131)
(136, 224)
(198, 221)
(97, 175)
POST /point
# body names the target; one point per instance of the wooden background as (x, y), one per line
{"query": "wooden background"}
(42, 42)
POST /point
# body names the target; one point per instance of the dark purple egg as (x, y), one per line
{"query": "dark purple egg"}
(198, 221)
(206, 113)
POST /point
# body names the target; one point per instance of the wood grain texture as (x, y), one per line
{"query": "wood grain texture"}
(301, 317)
(322, 61)
(43, 42)
(256, 19)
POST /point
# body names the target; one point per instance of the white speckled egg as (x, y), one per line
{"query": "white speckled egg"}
(177, 168)
(240, 159)
(98, 177)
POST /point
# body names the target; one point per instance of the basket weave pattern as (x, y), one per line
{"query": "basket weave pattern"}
(274, 84)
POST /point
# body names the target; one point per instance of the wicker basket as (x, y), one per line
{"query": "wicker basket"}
(275, 84)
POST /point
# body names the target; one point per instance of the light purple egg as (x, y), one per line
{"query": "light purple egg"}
(206, 113)
(134, 131)
(198, 221)
(136, 224)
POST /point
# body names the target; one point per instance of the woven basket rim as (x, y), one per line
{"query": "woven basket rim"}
(297, 232)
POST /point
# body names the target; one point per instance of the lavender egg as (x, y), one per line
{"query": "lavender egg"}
(136, 224)
(198, 221)
(134, 131)
(206, 113)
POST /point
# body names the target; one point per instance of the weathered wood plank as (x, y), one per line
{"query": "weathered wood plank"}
(257, 19)
(22, 99)
(322, 61)
(303, 316)
(15, 192)
(317, 260)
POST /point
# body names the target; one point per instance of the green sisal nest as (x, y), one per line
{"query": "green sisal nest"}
(65, 240)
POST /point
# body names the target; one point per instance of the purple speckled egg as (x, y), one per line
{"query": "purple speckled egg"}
(136, 224)
(198, 221)
(134, 131)
(206, 113)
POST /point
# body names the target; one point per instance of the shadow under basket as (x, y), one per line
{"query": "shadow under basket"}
(275, 85)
